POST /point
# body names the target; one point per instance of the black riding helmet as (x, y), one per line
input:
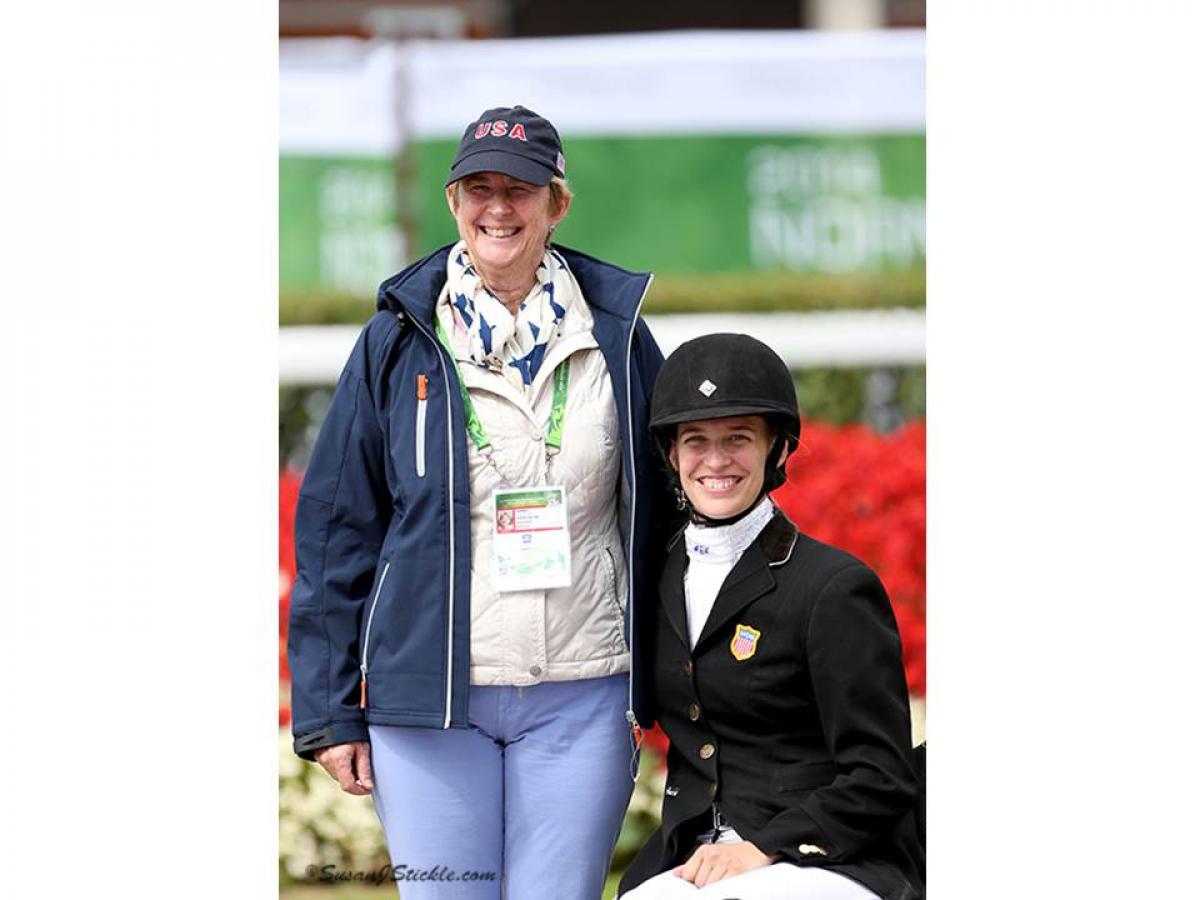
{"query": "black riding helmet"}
(721, 375)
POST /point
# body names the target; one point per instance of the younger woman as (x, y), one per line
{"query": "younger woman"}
(777, 672)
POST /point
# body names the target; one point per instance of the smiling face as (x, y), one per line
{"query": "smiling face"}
(505, 223)
(722, 463)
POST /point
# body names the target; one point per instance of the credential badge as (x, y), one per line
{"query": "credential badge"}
(744, 643)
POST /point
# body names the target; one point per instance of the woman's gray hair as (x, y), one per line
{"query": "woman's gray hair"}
(560, 192)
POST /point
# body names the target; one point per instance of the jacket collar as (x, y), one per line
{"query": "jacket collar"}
(414, 290)
(608, 289)
(778, 539)
(749, 579)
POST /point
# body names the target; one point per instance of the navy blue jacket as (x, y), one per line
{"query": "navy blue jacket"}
(380, 613)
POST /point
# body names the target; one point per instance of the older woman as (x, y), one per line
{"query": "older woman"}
(472, 537)
(777, 672)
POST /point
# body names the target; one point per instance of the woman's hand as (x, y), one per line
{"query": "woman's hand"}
(349, 765)
(712, 862)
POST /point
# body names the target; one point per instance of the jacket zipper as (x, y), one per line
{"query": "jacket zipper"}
(422, 399)
(362, 686)
(438, 349)
(630, 717)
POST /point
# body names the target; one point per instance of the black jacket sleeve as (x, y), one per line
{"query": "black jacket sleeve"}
(853, 650)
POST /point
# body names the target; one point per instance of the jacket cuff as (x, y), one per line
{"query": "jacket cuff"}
(796, 837)
(310, 742)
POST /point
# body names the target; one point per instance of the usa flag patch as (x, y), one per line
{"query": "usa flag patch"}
(744, 643)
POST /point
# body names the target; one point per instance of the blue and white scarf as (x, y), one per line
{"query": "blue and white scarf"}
(512, 346)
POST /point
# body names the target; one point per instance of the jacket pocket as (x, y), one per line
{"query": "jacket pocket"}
(366, 641)
(613, 593)
(422, 403)
(803, 776)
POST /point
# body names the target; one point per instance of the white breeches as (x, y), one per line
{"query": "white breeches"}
(781, 881)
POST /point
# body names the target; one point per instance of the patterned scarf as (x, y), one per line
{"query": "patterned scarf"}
(512, 346)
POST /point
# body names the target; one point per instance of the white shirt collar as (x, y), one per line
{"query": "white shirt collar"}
(724, 544)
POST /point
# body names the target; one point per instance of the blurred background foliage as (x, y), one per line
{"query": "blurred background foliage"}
(680, 293)
(883, 397)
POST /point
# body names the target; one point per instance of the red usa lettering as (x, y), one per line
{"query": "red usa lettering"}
(499, 128)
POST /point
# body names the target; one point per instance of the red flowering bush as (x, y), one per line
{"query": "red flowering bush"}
(289, 492)
(865, 492)
(847, 486)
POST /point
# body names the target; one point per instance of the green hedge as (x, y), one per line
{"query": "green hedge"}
(778, 291)
(732, 292)
(841, 396)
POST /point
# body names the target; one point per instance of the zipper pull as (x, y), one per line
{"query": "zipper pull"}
(635, 728)
(422, 387)
(636, 735)
(362, 688)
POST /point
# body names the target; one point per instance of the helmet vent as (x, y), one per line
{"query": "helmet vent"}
(707, 388)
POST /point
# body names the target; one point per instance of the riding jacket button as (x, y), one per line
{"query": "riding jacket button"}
(693, 712)
(707, 750)
(812, 850)
(712, 791)
(687, 668)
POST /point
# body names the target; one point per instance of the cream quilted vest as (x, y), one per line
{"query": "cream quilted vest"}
(561, 634)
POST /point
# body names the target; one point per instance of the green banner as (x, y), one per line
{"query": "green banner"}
(729, 203)
(695, 204)
(337, 222)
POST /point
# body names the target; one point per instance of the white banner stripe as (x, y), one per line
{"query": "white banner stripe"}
(344, 96)
(315, 354)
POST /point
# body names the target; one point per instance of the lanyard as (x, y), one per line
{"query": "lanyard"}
(558, 408)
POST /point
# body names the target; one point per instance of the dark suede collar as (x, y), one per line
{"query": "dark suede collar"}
(778, 538)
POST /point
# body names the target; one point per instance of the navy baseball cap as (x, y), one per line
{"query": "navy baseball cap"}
(511, 140)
